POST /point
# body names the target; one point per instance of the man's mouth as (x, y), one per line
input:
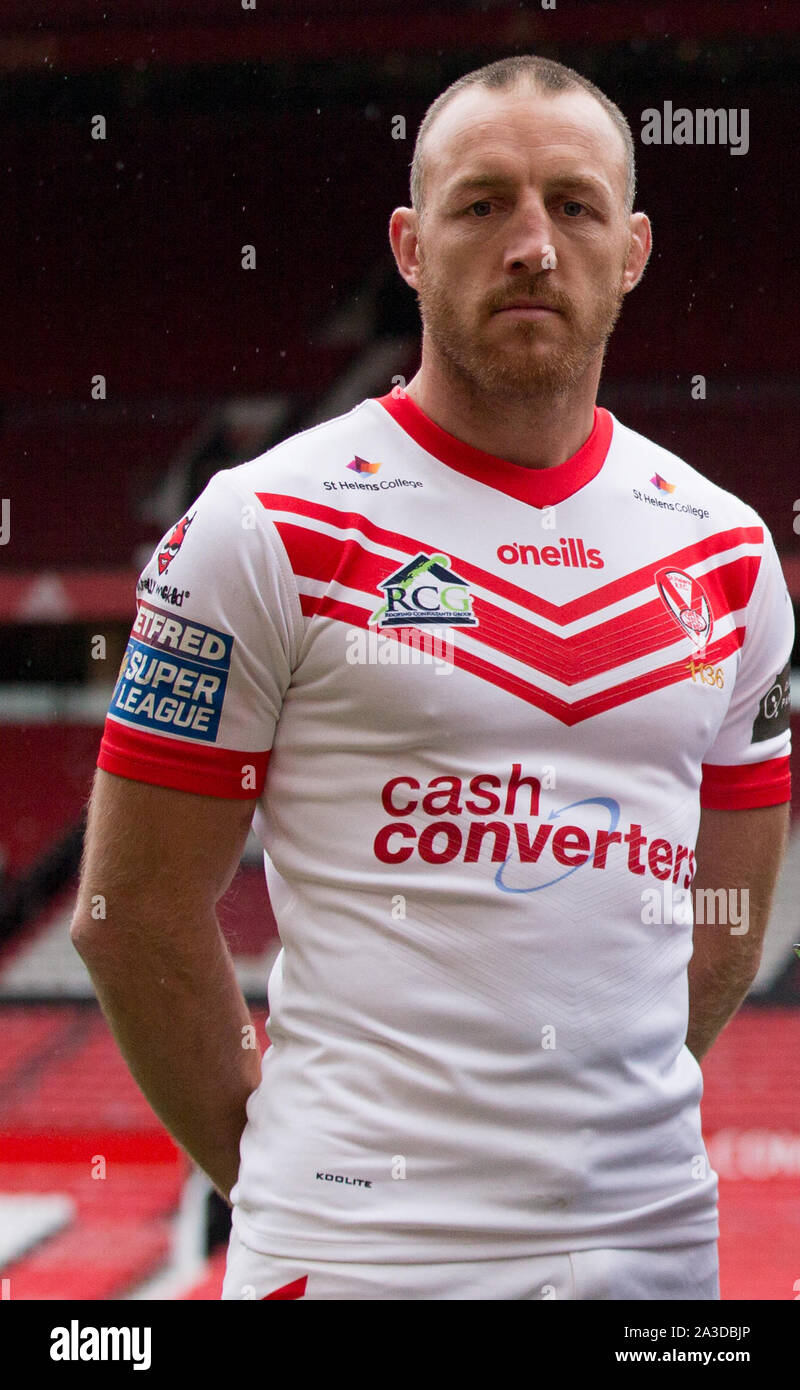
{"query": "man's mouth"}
(531, 308)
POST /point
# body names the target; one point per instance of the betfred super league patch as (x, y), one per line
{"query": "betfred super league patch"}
(173, 676)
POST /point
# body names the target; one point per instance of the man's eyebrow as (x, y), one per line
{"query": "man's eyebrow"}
(579, 182)
(479, 180)
(588, 183)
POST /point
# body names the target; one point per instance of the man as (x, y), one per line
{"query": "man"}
(476, 655)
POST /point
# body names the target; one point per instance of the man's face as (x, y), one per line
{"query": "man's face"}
(509, 174)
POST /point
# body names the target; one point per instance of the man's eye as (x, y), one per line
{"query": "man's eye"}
(482, 203)
(573, 209)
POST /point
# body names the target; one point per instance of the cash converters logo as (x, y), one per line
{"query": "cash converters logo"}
(425, 591)
(173, 543)
(497, 819)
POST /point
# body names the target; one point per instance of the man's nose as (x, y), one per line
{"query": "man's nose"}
(529, 242)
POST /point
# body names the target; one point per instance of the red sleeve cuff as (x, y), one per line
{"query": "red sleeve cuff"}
(743, 787)
(187, 767)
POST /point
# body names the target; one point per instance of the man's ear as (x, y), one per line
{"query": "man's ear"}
(404, 241)
(639, 250)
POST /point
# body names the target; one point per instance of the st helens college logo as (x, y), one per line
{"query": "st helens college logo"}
(360, 465)
(425, 592)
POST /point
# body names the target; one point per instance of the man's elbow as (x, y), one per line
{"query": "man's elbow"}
(135, 920)
(97, 930)
(86, 934)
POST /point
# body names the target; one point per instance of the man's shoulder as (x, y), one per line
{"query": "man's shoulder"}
(680, 481)
(303, 460)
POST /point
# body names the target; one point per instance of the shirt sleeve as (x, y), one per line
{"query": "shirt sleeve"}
(748, 763)
(210, 654)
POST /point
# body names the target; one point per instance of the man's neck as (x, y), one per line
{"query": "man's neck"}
(538, 432)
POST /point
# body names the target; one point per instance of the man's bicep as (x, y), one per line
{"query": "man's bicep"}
(739, 854)
(158, 847)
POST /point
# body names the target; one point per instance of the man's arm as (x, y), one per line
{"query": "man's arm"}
(160, 860)
(739, 852)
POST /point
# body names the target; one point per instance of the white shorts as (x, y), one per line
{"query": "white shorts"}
(677, 1272)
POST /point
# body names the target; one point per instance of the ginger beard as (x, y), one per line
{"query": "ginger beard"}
(515, 359)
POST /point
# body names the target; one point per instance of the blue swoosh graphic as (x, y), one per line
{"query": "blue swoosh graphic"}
(610, 805)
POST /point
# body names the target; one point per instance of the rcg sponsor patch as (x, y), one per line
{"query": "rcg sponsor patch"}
(774, 708)
(173, 676)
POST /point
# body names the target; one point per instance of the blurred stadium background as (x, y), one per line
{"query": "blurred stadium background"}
(271, 126)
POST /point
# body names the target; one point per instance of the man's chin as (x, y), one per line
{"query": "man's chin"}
(518, 367)
(539, 375)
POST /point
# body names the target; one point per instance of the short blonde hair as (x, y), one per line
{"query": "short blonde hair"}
(547, 76)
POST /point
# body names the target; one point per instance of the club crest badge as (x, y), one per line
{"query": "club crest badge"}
(687, 602)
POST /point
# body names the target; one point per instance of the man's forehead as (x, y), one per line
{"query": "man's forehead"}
(510, 124)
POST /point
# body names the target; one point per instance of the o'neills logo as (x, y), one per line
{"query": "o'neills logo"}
(687, 602)
(425, 591)
(570, 552)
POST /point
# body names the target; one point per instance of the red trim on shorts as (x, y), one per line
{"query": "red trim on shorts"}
(296, 1289)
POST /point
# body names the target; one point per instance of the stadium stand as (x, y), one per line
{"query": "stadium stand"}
(123, 258)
